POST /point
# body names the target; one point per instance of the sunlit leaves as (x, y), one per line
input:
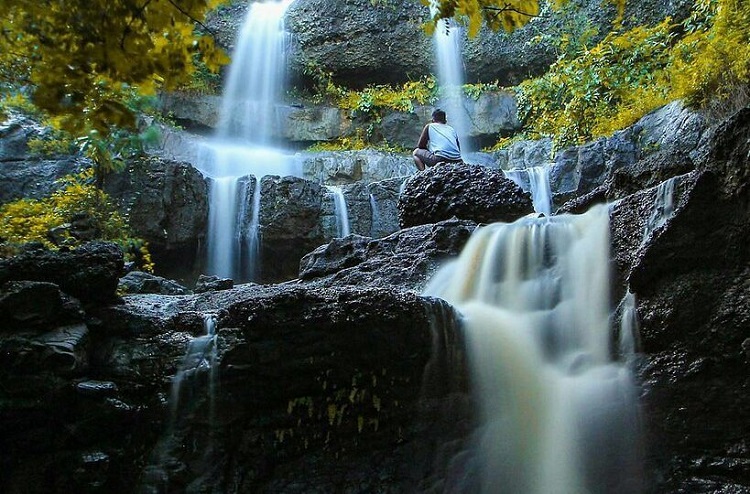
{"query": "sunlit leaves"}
(80, 57)
(497, 14)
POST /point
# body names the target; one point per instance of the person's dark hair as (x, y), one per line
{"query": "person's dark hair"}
(439, 116)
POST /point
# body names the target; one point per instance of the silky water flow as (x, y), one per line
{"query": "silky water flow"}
(558, 412)
(243, 150)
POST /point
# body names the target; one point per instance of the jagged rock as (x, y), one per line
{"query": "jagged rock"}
(690, 277)
(289, 224)
(340, 167)
(90, 273)
(462, 191)
(384, 206)
(33, 304)
(404, 259)
(212, 284)
(62, 351)
(140, 282)
(167, 203)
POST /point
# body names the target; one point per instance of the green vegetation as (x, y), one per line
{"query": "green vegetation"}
(594, 91)
(82, 59)
(48, 220)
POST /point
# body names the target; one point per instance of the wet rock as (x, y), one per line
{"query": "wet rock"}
(140, 282)
(62, 351)
(210, 283)
(462, 191)
(34, 304)
(167, 203)
(90, 273)
(402, 260)
(342, 167)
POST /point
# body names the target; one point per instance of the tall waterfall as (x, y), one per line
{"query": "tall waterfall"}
(242, 146)
(450, 77)
(558, 413)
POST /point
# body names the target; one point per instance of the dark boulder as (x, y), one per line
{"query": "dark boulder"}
(466, 192)
(402, 260)
(207, 283)
(690, 277)
(140, 282)
(290, 224)
(90, 273)
(167, 205)
(36, 304)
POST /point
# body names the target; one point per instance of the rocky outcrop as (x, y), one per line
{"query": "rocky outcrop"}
(167, 205)
(462, 191)
(342, 167)
(690, 277)
(22, 174)
(385, 43)
(140, 282)
(405, 259)
(90, 273)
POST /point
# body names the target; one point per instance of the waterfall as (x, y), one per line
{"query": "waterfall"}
(339, 206)
(242, 145)
(556, 412)
(448, 39)
(374, 215)
(534, 180)
(663, 207)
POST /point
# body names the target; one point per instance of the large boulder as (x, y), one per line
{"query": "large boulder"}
(689, 274)
(385, 43)
(167, 204)
(89, 273)
(403, 260)
(467, 192)
(290, 224)
(23, 174)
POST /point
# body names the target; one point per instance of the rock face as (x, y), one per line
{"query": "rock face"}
(385, 43)
(691, 280)
(90, 273)
(23, 175)
(466, 192)
(405, 259)
(167, 203)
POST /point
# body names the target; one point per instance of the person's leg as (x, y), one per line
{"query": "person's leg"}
(417, 160)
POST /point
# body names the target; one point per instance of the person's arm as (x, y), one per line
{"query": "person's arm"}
(424, 138)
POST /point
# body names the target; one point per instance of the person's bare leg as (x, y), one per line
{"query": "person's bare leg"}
(417, 161)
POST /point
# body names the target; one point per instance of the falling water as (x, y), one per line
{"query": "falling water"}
(557, 413)
(450, 76)
(242, 146)
(534, 180)
(663, 207)
(342, 214)
(374, 214)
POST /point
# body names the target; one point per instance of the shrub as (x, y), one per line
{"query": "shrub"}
(31, 220)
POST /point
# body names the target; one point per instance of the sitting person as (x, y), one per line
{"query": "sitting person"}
(437, 144)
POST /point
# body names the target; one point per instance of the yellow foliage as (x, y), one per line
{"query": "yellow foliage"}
(627, 75)
(79, 56)
(30, 220)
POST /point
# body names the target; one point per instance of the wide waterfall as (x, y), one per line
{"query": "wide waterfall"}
(243, 145)
(558, 411)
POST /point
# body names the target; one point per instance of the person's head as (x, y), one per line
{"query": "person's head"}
(438, 116)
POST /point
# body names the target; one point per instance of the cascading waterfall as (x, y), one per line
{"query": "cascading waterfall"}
(450, 77)
(534, 180)
(374, 213)
(663, 207)
(557, 412)
(339, 206)
(242, 146)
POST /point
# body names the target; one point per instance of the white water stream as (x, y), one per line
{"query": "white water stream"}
(448, 39)
(340, 209)
(534, 180)
(243, 145)
(558, 414)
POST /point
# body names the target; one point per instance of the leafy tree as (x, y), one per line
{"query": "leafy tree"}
(506, 14)
(80, 58)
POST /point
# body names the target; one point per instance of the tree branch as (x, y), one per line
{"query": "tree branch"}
(210, 31)
(509, 8)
